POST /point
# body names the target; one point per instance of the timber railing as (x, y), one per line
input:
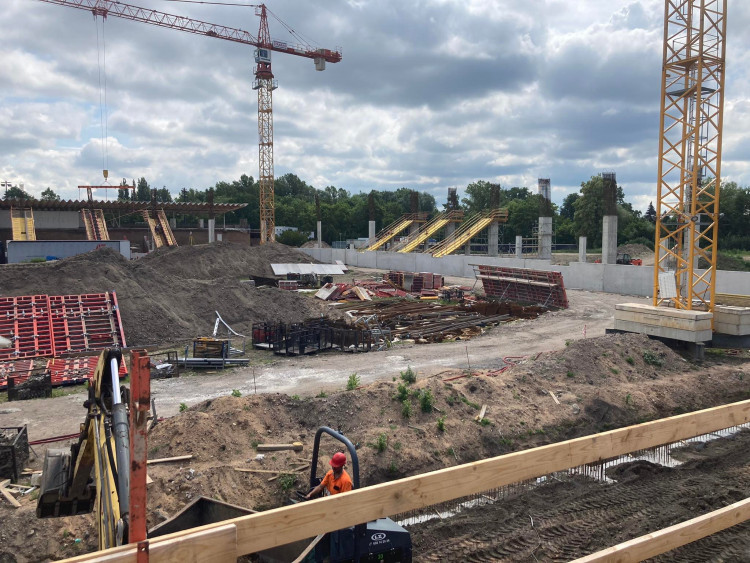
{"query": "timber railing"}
(225, 541)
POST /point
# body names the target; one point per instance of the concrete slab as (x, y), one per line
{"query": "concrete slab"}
(732, 320)
(664, 332)
(671, 322)
(663, 311)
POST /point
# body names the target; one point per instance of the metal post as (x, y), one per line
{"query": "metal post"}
(140, 400)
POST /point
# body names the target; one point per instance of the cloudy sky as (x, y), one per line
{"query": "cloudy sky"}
(429, 95)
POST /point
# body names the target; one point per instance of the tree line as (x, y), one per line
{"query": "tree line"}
(345, 215)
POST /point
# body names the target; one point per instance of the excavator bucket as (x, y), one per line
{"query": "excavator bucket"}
(53, 500)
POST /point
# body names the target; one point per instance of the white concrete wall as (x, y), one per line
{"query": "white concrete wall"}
(24, 251)
(47, 220)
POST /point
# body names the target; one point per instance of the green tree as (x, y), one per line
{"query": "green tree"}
(16, 193)
(49, 195)
(293, 238)
(142, 190)
(478, 196)
(651, 212)
(125, 193)
(568, 209)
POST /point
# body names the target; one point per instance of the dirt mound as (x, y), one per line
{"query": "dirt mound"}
(635, 250)
(172, 293)
(314, 244)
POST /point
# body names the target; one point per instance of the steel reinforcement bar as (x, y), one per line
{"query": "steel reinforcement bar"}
(228, 540)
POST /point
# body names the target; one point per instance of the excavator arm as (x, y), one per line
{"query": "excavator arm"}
(94, 475)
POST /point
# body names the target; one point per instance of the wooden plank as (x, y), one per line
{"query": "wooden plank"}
(6, 493)
(673, 537)
(218, 545)
(248, 470)
(481, 414)
(169, 459)
(304, 520)
(296, 446)
(301, 557)
(554, 397)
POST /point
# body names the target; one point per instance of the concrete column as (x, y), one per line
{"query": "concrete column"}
(467, 249)
(492, 234)
(450, 228)
(173, 222)
(371, 230)
(211, 230)
(320, 234)
(582, 249)
(545, 238)
(519, 246)
(201, 224)
(609, 239)
(414, 228)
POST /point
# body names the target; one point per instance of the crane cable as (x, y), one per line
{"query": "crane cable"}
(101, 59)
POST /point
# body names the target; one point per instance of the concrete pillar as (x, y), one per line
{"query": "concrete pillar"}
(545, 238)
(609, 239)
(414, 228)
(582, 249)
(492, 235)
(320, 234)
(519, 246)
(173, 222)
(201, 223)
(450, 228)
(211, 230)
(371, 230)
(467, 249)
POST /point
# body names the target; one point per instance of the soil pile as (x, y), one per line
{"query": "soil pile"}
(172, 293)
(635, 250)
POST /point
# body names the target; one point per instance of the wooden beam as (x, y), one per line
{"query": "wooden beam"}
(169, 459)
(296, 446)
(673, 537)
(6, 493)
(304, 520)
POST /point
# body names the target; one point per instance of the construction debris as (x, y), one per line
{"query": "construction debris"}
(169, 459)
(296, 446)
(7, 494)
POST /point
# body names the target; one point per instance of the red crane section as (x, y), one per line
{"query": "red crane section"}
(106, 8)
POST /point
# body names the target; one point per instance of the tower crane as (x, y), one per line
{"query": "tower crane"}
(689, 179)
(264, 83)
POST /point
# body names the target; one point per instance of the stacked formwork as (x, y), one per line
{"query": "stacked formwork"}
(52, 325)
(523, 285)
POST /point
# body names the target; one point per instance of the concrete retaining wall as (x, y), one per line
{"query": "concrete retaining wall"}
(608, 278)
(26, 250)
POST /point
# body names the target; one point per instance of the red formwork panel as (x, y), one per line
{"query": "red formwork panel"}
(523, 285)
(25, 321)
(68, 371)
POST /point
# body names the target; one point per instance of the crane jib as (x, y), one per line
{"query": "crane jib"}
(106, 8)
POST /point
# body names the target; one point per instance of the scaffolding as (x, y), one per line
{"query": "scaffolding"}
(158, 224)
(22, 221)
(95, 224)
(423, 235)
(394, 229)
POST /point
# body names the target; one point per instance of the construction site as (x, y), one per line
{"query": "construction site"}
(174, 389)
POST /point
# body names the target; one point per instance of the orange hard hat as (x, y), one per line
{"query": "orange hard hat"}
(338, 460)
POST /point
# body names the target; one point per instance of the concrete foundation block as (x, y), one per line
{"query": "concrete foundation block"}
(664, 332)
(677, 324)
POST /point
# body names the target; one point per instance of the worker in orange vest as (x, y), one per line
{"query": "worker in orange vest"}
(336, 481)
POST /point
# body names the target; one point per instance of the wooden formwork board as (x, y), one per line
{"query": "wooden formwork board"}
(287, 524)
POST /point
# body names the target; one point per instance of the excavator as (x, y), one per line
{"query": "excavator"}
(104, 471)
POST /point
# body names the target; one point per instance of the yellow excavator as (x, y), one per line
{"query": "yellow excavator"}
(104, 471)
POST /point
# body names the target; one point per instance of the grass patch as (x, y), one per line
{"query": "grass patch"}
(630, 360)
(570, 374)
(183, 407)
(382, 443)
(321, 395)
(651, 359)
(236, 393)
(471, 404)
(614, 370)
(441, 424)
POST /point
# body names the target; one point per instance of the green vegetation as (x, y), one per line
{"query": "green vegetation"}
(392, 468)
(321, 395)
(468, 402)
(409, 376)
(630, 360)
(287, 481)
(450, 399)
(406, 408)
(628, 399)
(183, 407)
(441, 424)
(426, 400)
(236, 393)
(485, 422)
(651, 359)
(382, 443)
(295, 398)
(570, 374)
(402, 392)
(353, 382)
(397, 446)
(614, 370)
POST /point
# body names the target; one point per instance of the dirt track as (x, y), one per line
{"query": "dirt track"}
(572, 518)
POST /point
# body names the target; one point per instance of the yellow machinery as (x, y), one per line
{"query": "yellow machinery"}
(689, 180)
(104, 471)
(395, 228)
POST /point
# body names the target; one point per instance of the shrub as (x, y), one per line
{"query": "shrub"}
(236, 393)
(570, 374)
(322, 394)
(287, 481)
(630, 360)
(406, 408)
(183, 407)
(426, 400)
(353, 382)
(403, 392)
(651, 359)
(409, 376)
(441, 424)
(295, 398)
(382, 443)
